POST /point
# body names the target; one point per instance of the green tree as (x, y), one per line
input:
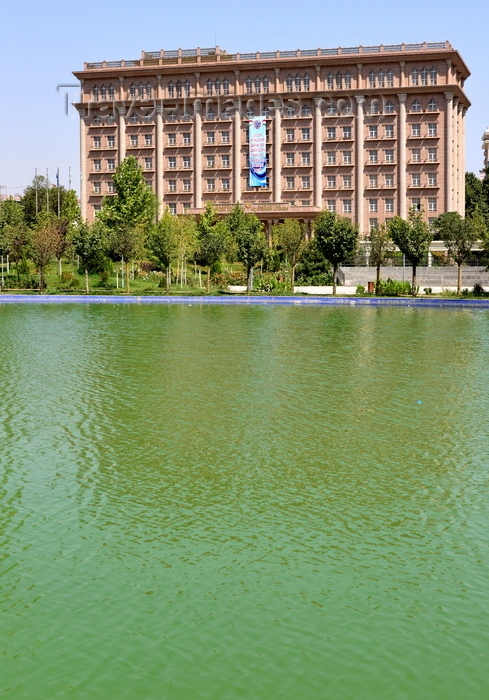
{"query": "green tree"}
(45, 194)
(251, 245)
(413, 238)
(381, 247)
(90, 244)
(129, 215)
(313, 267)
(162, 243)
(458, 236)
(211, 240)
(291, 237)
(11, 219)
(44, 242)
(474, 195)
(337, 238)
(480, 229)
(17, 240)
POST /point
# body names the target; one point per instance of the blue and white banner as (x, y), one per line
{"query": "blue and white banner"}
(258, 152)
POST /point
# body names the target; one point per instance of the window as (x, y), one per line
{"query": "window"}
(347, 206)
(431, 203)
(348, 80)
(347, 157)
(339, 81)
(225, 86)
(306, 182)
(290, 183)
(331, 111)
(210, 137)
(389, 107)
(371, 79)
(186, 185)
(306, 111)
(134, 119)
(389, 155)
(186, 138)
(390, 78)
(186, 88)
(97, 164)
(217, 86)
(172, 139)
(331, 155)
(96, 141)
(171, 89)
(290, 111)
(424, 77)
(414, 76)
(415, 155)
(134, 140)
(95, 93)
(290, 134)
(330, 81)
(416, 203)
(289, 83)
(432, 179)
(416, 106)
(381, 78)
(432, 155)
(210, 161)
(331, 205)
(97, 207)
(266, 84)
(331, 132)
(347, 132)
(297, 83)
(110, 119)
(331, 182)
(211, 185)
(372, 206)
(225, 161)
(389, 205)
(110, 187)
(96, 187)
(433, 76)
(415, 129)
(210, 115)
(306, 158)
(149, 183)
(172, 117)
(111, 141)
(306, 202)
(373, 181)
(172, 185)
(225, 184)
(186, 207)
(210, 86)
(172, 163)
(416, 180)
(224, 136)
(148, 164)
(149, 90)
(373, 156)
(373, 223)
(373, 132)
(110, 163)
(307, 83)
(389, 131)
(432, 106)
(389, 180)
(290, 158)
(306, 134)
(172, 207)
(374, 107)
(148, 139)
(347, 181)
(432, 130)
(140, 91)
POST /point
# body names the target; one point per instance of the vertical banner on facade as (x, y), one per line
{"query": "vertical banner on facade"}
(258, 152)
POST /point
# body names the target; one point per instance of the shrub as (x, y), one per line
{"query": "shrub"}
(360, 289)
(392, 288)
(478, 290)
(428, 290)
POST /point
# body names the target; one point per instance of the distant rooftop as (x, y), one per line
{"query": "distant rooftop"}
(215, 55)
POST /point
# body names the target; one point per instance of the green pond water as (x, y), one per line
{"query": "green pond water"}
(244, 503)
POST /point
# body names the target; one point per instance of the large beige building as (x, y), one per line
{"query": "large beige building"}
(367, 132)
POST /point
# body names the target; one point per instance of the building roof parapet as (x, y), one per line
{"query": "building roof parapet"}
(217, 55)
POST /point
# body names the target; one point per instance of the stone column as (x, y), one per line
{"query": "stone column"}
(83, 163)
(455, 155)
(121, 133)
(402, 75)
(461, 167)
(277, 156)
(237, 152)
(462, 211)
(236, 82)
(277, 80)
(359, 77)
(121, 88)
(401, 158)
(318, 154)
(198, 154)
(197, 84)
(318, 79)
(359, 166)
(448, 151)
(159, 158)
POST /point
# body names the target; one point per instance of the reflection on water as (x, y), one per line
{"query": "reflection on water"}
(235, 502)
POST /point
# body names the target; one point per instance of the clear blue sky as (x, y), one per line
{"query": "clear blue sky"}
(43, 42)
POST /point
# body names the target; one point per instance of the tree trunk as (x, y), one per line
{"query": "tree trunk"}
(128, 289)
(87, 291)
(335, 274)
(414, 285)
(459, 279)
(168, 278)
(248, 280)
(378, 275)
(17, 271)
(41, 279)
(60, 268)
(292, 278)
(208, 283)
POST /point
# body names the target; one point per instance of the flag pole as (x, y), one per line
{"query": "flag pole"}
(69, 178)
(57, 182)
(37, 202)
(47, 190)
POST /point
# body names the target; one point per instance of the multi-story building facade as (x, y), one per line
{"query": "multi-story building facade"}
(366, 132)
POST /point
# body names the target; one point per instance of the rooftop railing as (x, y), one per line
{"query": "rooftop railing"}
(217, 55)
